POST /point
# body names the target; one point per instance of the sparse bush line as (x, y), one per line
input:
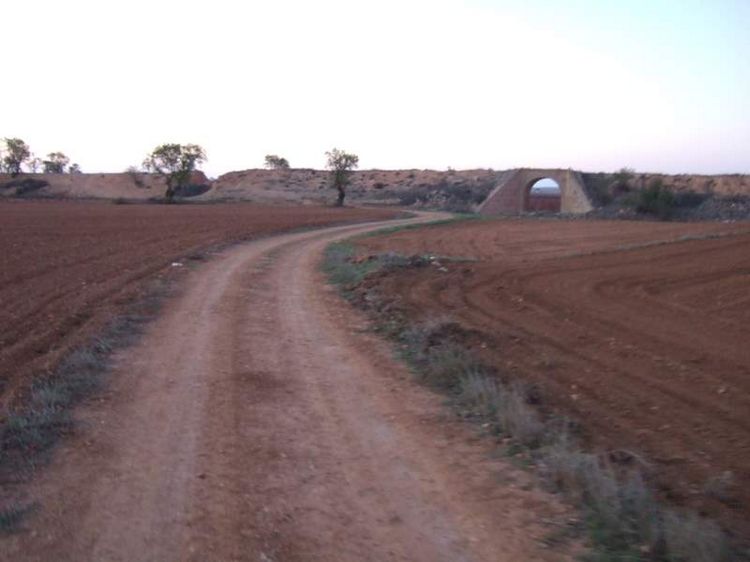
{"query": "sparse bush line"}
(623, 518)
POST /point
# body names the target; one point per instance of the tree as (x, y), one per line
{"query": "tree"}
(175, 162)
(16, 153)
(74, 169)
(55, 163)
(656, 199)
(274, 162)
(622, 178)
(341, 164)
(33, 164)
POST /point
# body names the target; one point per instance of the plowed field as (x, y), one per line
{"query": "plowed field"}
(639, 331)
(67, 267)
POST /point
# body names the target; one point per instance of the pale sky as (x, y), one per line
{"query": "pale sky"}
(656, 85)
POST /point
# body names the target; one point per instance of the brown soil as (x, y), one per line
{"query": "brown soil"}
(258, 420)
(646, 345)
(68, 267)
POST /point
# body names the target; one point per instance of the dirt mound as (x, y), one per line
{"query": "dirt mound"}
(68, 267)
(723, 185)
(604, 187)
(134, 186)
(314, 185)
(452, 190)
(638, 331)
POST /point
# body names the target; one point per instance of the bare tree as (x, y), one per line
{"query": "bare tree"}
(33, 164)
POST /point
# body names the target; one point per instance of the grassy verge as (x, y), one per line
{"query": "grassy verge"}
(346, 270)
(457, 217)
(623, 519)
(29, 434)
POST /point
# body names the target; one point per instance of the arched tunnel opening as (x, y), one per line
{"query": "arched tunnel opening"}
(543, 196)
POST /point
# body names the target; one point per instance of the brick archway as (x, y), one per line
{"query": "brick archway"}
(510, 196)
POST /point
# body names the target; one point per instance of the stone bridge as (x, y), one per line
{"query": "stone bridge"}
(511, 196)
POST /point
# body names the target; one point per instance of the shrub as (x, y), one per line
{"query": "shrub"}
(599, 187)
(690, 199)
(342, 268)
(721, 487)
(620, 509)
(136, 176)
(449, 195)
(11, 517)
(622, 178)
(656, 199)
(481, 393)
(689, 538)
(518, 419)
(191, 190)
(25, 185)
(445, 365)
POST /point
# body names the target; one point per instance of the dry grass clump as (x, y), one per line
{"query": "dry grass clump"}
(11, 517)
(623, 516)
(722, 487)
(507, 406)
(689, 538)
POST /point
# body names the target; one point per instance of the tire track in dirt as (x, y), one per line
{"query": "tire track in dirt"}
(259, 420)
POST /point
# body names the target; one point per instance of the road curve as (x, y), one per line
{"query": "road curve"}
(259, 420)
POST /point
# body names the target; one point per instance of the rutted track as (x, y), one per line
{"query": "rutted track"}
(259, 421)
(639, 331)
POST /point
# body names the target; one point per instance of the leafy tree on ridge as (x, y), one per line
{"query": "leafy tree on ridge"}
(16, 153)
(274, 162)
(56, 163)
(176, 162)
(341, 164)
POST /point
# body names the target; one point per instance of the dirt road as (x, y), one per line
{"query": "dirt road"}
(259, 420)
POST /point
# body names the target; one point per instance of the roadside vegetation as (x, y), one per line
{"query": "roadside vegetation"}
(625, 194)
(30, 433)
(621, 514)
